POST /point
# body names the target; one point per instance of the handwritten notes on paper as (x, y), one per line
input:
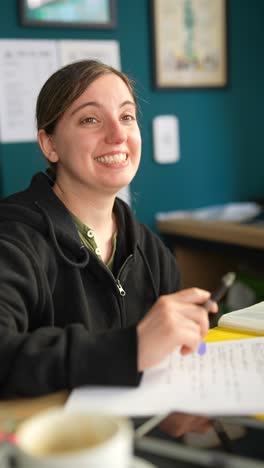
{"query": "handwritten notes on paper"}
(227, 380)
(223, 373)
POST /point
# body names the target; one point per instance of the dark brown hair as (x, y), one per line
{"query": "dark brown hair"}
(66, 85)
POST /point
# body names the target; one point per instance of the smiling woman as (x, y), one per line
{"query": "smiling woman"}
(86, 291)
(96, 143)
(89, 136)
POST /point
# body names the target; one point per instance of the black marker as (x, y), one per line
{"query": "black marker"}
(217, 294)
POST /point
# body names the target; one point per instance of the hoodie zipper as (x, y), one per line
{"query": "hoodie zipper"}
(121, 291)
(120, 288)
(117, 282)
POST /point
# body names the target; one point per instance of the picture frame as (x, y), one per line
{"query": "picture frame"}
(68, 13)
(190, 43)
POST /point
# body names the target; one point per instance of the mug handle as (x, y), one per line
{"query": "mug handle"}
(8, 458)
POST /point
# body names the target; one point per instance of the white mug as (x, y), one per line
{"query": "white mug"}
(67, 439)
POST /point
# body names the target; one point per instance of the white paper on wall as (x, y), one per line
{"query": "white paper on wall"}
(106, 51)
(24, 67)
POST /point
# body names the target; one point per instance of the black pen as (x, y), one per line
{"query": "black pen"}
(217, 294)
(222, 435)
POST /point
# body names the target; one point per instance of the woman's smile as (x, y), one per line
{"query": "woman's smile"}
(113, 159)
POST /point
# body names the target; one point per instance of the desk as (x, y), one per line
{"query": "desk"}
(206, 250)
(23, 408)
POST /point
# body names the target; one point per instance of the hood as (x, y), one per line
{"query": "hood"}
(39, 208)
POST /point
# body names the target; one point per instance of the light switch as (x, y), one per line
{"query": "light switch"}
(166, 139)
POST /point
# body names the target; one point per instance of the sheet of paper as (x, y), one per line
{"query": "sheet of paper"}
(106, 51)
(24, 67)
(227, 380)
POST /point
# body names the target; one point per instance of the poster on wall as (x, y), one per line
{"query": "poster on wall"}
(99, 14)
(189, 43)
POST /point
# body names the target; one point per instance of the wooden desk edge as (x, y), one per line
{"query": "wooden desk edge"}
(218, 231)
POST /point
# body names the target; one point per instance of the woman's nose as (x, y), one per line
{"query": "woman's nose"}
(115, 133)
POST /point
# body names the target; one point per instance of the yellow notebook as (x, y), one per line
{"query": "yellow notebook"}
(225, 333)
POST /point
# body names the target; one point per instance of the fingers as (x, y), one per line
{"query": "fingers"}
(159, 334)
(197, 296)
(181, 331)
(177, 319)
(173, 312)
(211, 306)
(188, 338)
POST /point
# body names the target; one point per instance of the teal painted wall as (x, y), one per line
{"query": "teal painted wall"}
(221, 130)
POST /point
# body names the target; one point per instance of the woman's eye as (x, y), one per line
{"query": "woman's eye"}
(89, 120)
(128, 117)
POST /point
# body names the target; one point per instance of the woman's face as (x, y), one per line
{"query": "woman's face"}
(97, 142)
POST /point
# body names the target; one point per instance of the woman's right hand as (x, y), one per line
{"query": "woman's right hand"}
(177, 319)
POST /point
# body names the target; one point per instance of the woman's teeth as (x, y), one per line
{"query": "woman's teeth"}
(114, 158)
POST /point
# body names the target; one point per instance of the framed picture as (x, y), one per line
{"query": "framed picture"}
(190, 42)
(68, 13)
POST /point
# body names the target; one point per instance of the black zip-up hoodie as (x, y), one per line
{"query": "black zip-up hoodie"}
(66, 320)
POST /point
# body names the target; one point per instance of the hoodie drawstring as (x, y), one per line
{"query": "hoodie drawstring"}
(80, 263)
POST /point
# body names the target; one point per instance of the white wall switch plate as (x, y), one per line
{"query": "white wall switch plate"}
(166, 139)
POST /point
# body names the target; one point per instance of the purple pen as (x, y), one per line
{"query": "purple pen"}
(217, 294)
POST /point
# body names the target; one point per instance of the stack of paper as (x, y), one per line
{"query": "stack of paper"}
(234, 212)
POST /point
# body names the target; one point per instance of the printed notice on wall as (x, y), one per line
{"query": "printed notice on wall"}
(24, 67)
(105, 51)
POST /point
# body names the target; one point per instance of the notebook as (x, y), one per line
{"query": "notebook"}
(250, 319)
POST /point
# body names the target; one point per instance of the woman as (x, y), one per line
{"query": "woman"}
(88, 295)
